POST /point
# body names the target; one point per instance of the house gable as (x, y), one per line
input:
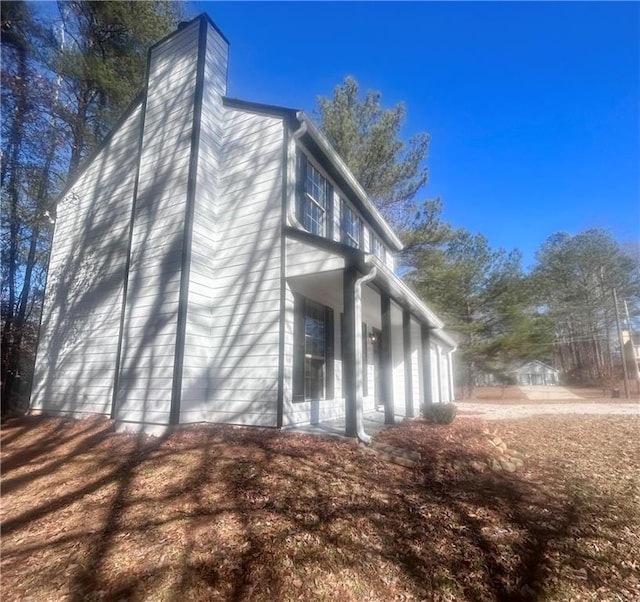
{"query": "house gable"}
(172, 299)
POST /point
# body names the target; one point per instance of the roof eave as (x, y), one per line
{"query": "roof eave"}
(408, 297)
(321, 140)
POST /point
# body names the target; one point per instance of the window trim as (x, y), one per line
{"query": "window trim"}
(346, 234)
(383, 255)
(300, 355)
(304, 196)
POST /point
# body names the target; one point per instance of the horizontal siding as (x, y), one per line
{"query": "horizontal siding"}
(151, 311)
(75, 365)
(231, 351)
(416, 362)
(306, 259)
(397, 355)
(307, 411)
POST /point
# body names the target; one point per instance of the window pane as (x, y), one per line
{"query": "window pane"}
(313, 379)
(315, 350)
(314, 203)
(378, 249)
(351, 227)
(314, 330)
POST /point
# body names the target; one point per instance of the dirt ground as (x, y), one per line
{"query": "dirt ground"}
(513, 394)
(239, 514)
(504, 411)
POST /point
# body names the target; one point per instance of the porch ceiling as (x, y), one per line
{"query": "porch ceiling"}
(386, 280)
(323, 287)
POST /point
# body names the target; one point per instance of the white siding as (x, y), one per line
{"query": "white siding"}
(232, 345)
(196, 375)
(434, 355)
(306, 412)
(397, 358)
(75, 366)
(305, 259)
(369, 401)
(151, 312)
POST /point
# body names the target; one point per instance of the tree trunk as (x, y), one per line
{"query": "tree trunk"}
(15, 140)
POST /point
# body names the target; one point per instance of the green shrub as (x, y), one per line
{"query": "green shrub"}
(440, 413)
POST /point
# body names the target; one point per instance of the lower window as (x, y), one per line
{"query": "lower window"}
(313, 351)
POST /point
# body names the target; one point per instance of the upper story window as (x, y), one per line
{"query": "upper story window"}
(315, 199)
(352, 229)
(377, 248)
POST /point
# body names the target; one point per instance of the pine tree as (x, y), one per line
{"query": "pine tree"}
(62, 90)
(368, 138)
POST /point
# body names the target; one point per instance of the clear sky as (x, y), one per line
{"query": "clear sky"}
(533, 108)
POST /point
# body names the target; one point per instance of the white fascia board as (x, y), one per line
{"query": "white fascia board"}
(403, 293)
(326, 146)
(445, 338)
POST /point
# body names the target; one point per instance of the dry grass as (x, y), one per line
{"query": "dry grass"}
(590, 393)
(222, 513)
(497, 394)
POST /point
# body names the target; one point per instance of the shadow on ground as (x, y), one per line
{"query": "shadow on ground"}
(236, 514)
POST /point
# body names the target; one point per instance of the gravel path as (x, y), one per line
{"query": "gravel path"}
(505, 411)
(540, 392)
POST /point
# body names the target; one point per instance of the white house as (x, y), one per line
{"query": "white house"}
(536, 373)
(216, 261)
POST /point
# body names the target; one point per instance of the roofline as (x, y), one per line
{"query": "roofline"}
(321, 140)
(137, 100)
(403, 292)
(261, 108)
(104, 143)
(297, 117)
(184, 24)
(539, 362)
(445, 338)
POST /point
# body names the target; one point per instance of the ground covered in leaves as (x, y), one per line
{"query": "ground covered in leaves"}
(223, 513)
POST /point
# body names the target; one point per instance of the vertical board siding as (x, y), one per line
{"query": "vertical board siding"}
(151, 309)
(370, 375)
(232, 343)
(435, 374)
(444, 376)
(75, 365)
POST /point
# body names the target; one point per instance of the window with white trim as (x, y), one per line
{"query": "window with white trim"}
(313, 370)
(315, 198)
(352, 229)
(377, 248)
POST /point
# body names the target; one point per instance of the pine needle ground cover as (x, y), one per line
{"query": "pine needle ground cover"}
(223, 513)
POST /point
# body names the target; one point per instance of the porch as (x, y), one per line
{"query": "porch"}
(357, 339)
(373, 422)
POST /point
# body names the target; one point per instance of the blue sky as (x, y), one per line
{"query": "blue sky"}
(533, 108)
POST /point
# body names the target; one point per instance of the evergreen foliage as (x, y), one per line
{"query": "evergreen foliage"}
(63, 87)
(439, 413)
(367, 137)
(574, 281)
(484, 296)
(482, 293)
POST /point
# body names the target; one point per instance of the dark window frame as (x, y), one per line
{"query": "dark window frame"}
(307, 356)
(377, 248)
(315, 199)
(352, 226)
